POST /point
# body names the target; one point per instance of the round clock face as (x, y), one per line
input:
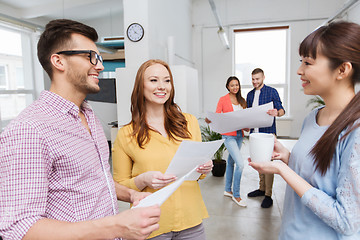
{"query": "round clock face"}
(135, 32)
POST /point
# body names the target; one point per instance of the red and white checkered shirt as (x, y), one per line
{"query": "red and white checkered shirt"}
(51, 167)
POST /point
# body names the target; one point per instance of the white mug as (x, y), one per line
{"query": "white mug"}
(261, 146)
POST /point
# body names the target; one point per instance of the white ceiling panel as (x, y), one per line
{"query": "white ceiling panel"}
(81, 10)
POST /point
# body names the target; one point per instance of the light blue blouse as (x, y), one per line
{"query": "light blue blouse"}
(331, 209)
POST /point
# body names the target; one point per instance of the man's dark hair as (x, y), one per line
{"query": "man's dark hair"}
(57, 37)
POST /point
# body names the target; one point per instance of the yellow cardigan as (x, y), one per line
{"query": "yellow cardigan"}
(185, 208)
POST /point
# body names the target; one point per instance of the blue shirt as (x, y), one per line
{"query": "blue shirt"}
(331, 209)
(267, 94)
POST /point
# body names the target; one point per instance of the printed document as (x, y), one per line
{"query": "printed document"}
(255, 117)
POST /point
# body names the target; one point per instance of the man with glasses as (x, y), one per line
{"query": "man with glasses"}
(94, 57)
(55, 176)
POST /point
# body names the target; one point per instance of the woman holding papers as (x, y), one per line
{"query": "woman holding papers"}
(144, 148)
(322, 199)
(233, 101)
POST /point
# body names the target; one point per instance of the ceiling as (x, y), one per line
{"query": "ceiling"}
(41, 11)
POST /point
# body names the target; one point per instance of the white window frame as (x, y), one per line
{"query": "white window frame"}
(32, 70)
(6, 86)
(286, 85)
(23, 78)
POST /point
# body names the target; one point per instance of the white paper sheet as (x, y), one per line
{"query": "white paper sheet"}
(160, 196)
(255, 117)
(187, 158)
(191, 154)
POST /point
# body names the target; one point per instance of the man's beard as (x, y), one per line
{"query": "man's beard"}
(80, 81)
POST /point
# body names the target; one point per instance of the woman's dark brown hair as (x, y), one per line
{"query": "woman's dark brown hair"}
(175, 122)
(340, 43)
(239, 98)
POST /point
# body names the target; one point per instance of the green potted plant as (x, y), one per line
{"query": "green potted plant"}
(317, 101)
(219, 163)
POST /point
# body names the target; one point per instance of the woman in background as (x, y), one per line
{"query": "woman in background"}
(322, 199)
(145, 147)
(233, 101)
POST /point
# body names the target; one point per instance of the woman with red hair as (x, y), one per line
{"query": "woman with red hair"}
(145, 147)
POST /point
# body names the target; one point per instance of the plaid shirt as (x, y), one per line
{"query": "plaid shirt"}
(267, 94)
(51, 167)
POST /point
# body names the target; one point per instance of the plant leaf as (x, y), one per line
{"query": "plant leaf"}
(208, 135)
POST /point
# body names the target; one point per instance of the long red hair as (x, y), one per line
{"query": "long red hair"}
(175, 122)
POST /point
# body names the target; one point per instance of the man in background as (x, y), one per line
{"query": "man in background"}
(262, 94)
(55, 180)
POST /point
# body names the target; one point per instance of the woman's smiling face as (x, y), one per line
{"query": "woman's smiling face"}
(233, 86)
(157, 84)
(316, 76)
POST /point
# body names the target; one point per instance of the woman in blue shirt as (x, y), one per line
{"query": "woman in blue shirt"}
(322, 199)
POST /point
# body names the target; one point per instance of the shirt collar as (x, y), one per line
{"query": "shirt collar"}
(61, 104)
(261, 88)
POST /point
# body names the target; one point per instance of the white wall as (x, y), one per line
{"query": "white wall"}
(160, 19)
(354, 13)
(137, 11)
(215, 63)
(109, 26)
(124, 84)
(171, 18)
(186, 89)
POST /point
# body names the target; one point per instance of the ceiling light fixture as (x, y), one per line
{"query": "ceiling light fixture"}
(223, 37)
(221, 32)
(339, 13)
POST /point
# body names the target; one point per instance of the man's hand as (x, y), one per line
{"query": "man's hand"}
(276, 113)
(136, 197)
(273, 112)
(137, 223)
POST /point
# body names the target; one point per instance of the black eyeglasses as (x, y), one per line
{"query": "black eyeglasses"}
(94, 57)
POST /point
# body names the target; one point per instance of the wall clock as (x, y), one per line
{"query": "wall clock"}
(135, 32)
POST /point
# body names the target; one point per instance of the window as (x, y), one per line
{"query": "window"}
(15, 62)
(3, 77)
(264, 48)
(19, 78)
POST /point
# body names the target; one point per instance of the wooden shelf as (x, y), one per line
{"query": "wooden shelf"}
(119, 55)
